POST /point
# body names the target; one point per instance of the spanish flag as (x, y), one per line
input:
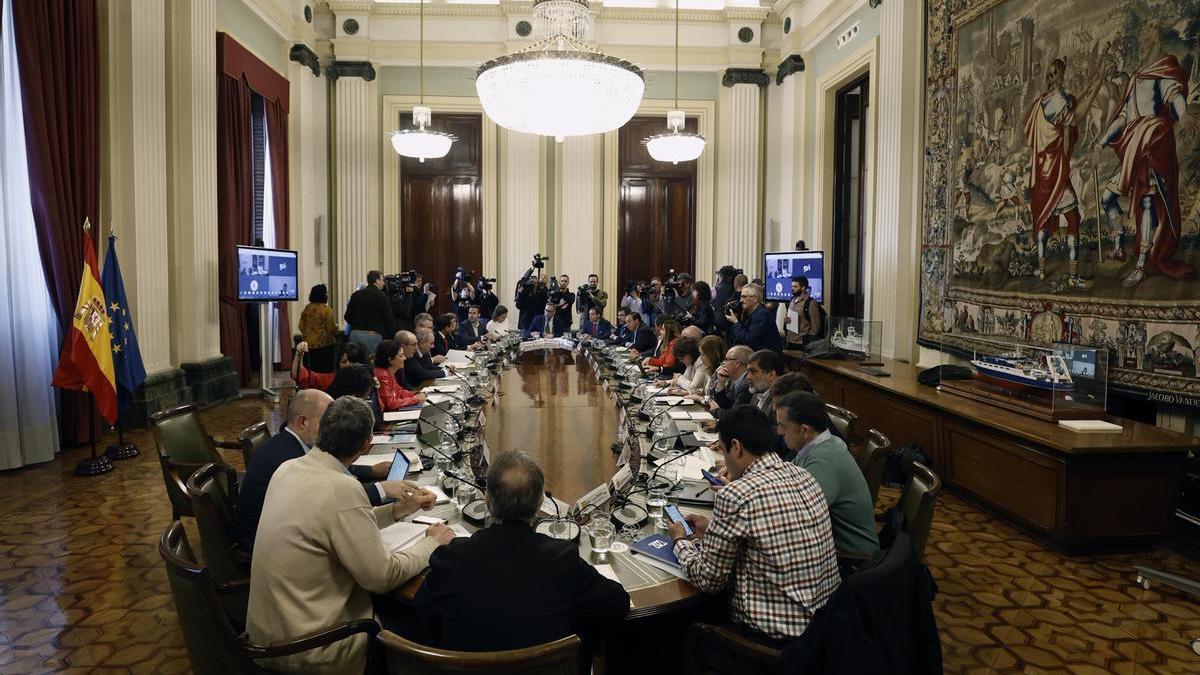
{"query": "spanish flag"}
(87, 362)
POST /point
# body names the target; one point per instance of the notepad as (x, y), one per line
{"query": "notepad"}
(437, 398)
(401, 416)
(1089, 425)
(403, 438)
(441, 389)
(679, 415)
(668, 400)
(399, 536)
(707, 436)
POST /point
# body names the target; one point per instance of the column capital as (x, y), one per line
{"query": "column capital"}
(754, 76)
(875, 3)
(300, 53)
(790, 65)
(362, 69)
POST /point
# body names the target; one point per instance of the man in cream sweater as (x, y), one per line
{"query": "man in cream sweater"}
(318, 554)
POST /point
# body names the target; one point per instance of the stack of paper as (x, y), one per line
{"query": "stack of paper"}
(459, 358)
(706, 436)
(668, 400)
(441, 389)
(402, 415)
(399, 536)
(546, 343)
(437, 398)
(1089, 425)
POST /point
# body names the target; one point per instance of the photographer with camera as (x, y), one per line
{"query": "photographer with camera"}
(631, 302)
(564, 301)
(724, 290)
(401, 290)
(588, 296)
(756, 327)
(369, 313)
(531, 294)
(485, 298)
(462, 293)
(700, 312)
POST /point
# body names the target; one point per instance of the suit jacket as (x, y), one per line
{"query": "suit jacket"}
(281, 447)
(442, 344)
(535, 589)
(734, 394)
(644, 340)
(620, 336)
(538, 325)
(420, 368)
(468, 335)
(601, 329)
(319, 559)
(758, 331)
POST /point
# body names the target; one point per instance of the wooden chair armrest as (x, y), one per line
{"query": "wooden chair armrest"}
(227, 445)
(231, 587)
(313, 640)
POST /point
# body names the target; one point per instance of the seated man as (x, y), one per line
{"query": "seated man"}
(764, 367)
(804, 426)
(472, 330)
(733, 385)
(421, 366)
(640, 337)
(319, 556)
(620, 334)
(444, 335)
(545, 324)
(596, 326)
(507, 586)
(771, 526)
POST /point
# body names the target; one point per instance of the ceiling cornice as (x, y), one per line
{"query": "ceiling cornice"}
(516, 8)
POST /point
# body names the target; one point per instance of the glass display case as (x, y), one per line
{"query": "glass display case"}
(1050, 382)
(857, 339)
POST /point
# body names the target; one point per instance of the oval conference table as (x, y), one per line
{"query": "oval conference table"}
(560, 408)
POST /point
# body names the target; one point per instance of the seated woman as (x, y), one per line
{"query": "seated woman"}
(499, 324)
(304, 378)
(663, 358)
(357, 380)
(712, 354)
(696, 373)
(389, 368)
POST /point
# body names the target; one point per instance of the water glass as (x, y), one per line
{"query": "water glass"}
(603, 533)
(443, 466)
(464, 493)
(656, 499)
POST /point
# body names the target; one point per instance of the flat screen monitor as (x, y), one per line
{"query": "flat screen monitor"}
(780, 267)
(266, 274)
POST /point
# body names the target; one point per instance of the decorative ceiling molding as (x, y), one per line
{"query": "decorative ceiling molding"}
(300, 53)
(790, 65)
(755, 76)
(523, 9)
(362, 69)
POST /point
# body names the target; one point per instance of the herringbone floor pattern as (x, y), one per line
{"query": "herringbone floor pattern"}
(82, 588)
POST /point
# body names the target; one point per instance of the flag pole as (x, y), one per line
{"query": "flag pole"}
(96, 464)
(123, 449)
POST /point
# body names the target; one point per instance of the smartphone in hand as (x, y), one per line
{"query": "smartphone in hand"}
(673, 513)
(711, 478)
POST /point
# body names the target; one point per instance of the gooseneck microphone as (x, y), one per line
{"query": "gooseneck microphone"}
(650, 425)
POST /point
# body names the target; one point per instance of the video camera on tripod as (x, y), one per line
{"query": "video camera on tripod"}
(671, 286)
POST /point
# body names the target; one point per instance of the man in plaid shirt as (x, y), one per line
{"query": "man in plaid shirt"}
(770, 535)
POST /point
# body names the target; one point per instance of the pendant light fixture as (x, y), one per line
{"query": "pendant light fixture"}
(677, 144)
(417, 141)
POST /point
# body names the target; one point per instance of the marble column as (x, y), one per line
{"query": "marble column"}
(898, 171)
(191, 142)
(134, 184)
(308, 171)
(785, 155)
(740, 157)
(579, 228)
(522, 214)
(356, 145)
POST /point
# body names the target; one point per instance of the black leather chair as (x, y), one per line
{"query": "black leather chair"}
(213, 508)
(872, 460)
(215, 645)
(251, 438)
(715, 650)
(843, 419)
(913, 513)
(405, 657)
(183, 447)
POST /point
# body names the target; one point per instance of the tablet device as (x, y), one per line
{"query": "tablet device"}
(399, 467)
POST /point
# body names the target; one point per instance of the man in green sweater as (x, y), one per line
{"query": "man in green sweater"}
(804, 425)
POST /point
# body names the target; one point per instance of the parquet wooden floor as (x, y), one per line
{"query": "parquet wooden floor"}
(82, 588)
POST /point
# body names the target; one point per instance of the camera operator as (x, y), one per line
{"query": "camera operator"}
(564, 301)
(631, 302)
(588, 296)
(700, 312)
(734, 302)
(756, 328)
(369, 313)
(531, 294)
(462, 293)
(683, 292)
(401, 291)
(724, 288)
(485, 298)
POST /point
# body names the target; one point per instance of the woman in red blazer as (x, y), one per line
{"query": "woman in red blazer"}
(668, 332)
(389, 360)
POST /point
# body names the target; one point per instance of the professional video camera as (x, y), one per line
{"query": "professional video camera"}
(671, 285)
(458, 289)
(484, 284)
(539, 261)
(396, 285)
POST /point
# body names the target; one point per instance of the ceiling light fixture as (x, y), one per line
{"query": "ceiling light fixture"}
(677, 144)
(417, 141)
(562, 85)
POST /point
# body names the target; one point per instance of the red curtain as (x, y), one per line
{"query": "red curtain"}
(277, 135)
(235, 212)
(58, 57)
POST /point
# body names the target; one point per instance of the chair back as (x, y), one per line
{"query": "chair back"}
(192, 590)
(181, 436)
(181, 503)
(917, 499)
(842, 419)
(405, 657)
(716, 650)
(874, 458)
(213, 507)
(252, 438)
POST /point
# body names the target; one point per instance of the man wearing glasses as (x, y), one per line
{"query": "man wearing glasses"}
(732, 386)
(757, 330)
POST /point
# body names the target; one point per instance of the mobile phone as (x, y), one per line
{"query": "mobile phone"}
(399, 467)
(673, 513)
(711, 478)
(429, 520)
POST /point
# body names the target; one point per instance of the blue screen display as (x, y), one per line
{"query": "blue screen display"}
(266, 274)
(779, 268)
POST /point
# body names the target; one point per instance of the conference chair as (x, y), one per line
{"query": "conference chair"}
(873, 458)
(917, 499)
(843, 419)
(252, 438)
(405, 657)
(183, 447)
(213, 509)
(215, 646)
(715, 650)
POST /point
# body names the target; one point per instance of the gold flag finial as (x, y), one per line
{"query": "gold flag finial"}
(87, 224)
(112, 229)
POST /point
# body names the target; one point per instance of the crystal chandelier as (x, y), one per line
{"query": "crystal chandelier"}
(561, 85)
(418, 142)
(677, 144)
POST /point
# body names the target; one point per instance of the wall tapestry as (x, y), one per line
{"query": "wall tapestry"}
(1062, 182)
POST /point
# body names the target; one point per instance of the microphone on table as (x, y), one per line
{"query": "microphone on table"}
(679, 455)
(552, 527)
(476, 511)
(662, 412)
(473, 399)
(648, 399)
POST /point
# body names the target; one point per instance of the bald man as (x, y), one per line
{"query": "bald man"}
(419, 363)
(693, 332)
(292, 442)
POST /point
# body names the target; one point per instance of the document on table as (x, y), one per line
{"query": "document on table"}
(401, 535)
(707, 436)
(702, 459)
(607, 572)
(458, 358)
(402, 415)
(668, 400)
(402, 438)
(414, 459)
(441, 389)
(437, 398)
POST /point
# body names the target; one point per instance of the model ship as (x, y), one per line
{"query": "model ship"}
(849, 341)
(1015, 371)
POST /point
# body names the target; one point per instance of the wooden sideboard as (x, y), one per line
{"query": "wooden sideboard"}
(1078, 491)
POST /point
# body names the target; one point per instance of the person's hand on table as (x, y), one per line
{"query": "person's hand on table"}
(409, 497)
(439, 359)
(421, 398)
(712, 406)
(708, 425)
(381, 470)
(442, 534)
(677, 391)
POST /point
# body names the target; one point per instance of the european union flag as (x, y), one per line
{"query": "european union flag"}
(127, 358)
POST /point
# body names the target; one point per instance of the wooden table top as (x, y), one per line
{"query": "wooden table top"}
(551, 406)
(1134, 437)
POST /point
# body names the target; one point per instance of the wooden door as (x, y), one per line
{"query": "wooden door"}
(442, 208)
(657, 219)
(848, 296)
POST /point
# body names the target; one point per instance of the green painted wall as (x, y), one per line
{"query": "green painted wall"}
(240, 22)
